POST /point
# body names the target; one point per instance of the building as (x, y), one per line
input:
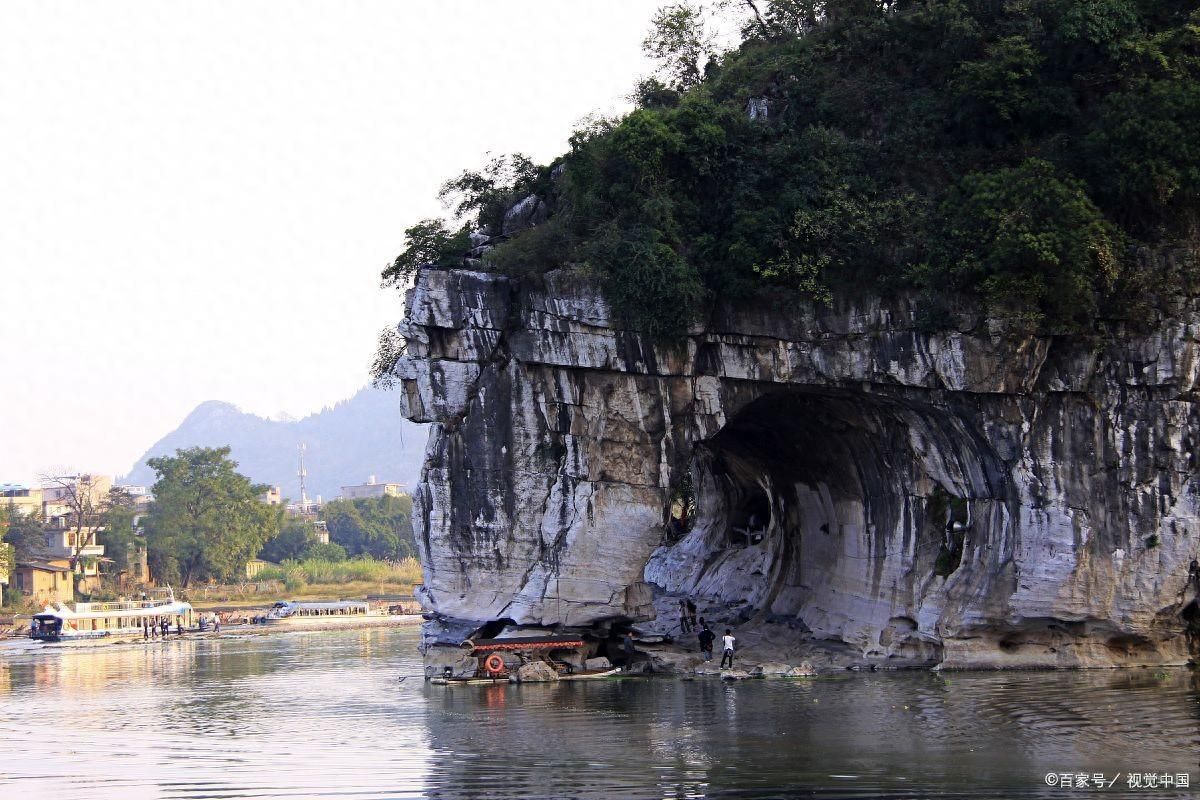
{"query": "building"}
(60, 502)
(273, 496)
(63, 541)
(64, 494)
(44, 582)
(372, 489)
(140, 495)
(22, 500)
(256, 565)
(321, 529)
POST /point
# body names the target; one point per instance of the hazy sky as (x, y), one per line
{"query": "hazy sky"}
(196, 198)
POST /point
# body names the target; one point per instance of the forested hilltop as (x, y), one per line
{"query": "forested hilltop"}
(1024, 152)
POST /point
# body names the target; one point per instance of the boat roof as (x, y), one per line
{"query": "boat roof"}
(331, 604)
(524, 643)
(164, 610)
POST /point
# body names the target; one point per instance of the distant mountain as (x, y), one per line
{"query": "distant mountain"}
(346, 444)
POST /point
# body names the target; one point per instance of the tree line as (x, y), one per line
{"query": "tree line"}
(207, 521)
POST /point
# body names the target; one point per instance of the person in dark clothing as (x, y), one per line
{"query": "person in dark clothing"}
(728, 643)
(684, 621)
(628, 648)
(706, 637)
(165, 626)
(691, 613)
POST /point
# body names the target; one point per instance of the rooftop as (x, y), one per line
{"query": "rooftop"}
(42, 566)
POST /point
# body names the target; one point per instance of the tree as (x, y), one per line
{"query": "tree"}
(117, 531)
(1034, 242)
(680, 42)
(484, 195)
(380, 527)
(27, 535)
(8, 558)
(427, 242)
(206, 520)
(86, 498)
(327, 551)
(293, 542)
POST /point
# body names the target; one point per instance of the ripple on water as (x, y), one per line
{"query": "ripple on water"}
(323, 715)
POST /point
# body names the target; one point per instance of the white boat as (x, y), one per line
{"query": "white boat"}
(293, 613)
(117, 620)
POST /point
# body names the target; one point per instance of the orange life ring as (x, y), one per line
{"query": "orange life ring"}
(494, 664)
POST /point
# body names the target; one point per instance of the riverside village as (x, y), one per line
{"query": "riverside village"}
(726, 399)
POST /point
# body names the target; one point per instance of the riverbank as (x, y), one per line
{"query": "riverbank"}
(387, 611)
(239, 629)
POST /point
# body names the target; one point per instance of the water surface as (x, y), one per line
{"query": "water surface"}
(323, 715)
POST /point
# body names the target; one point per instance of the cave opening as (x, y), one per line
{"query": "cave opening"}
(834, 508)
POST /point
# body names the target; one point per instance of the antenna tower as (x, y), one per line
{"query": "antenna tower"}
(302, 473)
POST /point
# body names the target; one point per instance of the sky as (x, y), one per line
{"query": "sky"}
(198, 197)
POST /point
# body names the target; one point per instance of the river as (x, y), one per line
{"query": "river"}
(325, 715)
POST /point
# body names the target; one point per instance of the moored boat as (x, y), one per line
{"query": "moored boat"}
(111, 621)
(330, 614)
(499, 660)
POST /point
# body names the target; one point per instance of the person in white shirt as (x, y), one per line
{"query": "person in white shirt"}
(727, 643)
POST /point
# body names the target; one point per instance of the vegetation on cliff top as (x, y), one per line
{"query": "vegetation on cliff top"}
(1018, 150)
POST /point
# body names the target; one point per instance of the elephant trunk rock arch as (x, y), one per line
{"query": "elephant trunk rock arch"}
(966, 498)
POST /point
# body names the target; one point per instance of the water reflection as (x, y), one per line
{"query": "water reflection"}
(916, 734)
(322, 715)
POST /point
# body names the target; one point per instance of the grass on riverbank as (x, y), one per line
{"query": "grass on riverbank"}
(296, 576)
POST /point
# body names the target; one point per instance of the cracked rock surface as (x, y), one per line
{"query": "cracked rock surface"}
(969, 497)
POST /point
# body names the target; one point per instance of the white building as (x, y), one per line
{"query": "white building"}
(372, 489)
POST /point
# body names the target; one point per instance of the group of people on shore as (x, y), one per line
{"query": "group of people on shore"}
(688, 623)
(160, 627)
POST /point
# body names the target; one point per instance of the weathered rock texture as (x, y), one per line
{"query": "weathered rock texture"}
(968, 497)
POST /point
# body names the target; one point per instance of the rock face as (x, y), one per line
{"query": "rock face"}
(969, 497)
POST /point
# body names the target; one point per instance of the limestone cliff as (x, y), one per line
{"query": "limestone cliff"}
(965, 497)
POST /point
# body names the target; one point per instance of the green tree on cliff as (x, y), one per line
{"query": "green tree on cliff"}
(206, 520)
(1021, 153)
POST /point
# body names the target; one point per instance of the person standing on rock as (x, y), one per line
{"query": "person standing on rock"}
(691, 613)
(728, 643)
(707, 637)
(630, 650)
(684, 622)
